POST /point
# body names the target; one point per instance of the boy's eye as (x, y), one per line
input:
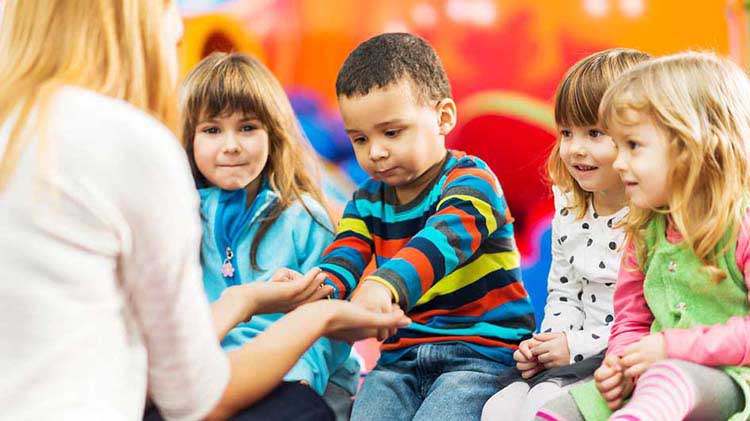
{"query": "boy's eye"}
(595, 133)
(359, 139)
(566, 133)
(632, 144)
(211, 130)
(247, 128)
(392, 133)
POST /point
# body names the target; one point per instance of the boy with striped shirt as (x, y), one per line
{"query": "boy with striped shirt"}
(438, 228)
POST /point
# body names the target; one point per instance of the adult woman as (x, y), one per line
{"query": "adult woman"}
(99, 229)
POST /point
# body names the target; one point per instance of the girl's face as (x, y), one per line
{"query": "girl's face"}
(588, 155)
(642, 161)
(231, 151)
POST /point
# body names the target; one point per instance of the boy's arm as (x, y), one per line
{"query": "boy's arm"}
(346, 258)
(470, 209)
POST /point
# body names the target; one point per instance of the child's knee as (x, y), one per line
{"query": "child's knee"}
(561, 408)
(667, 368)
(505, 403)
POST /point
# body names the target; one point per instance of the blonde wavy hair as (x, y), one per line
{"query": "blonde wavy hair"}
(701, 104)
(224, 84)
(113, 47)
(577, 105)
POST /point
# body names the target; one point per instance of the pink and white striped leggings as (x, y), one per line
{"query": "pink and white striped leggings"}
(669, 390)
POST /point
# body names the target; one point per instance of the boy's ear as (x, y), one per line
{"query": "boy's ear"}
(446, 110)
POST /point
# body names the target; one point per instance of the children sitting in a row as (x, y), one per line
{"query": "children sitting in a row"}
(436, 224)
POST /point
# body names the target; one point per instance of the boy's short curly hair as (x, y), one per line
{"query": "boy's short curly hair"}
(386, 59)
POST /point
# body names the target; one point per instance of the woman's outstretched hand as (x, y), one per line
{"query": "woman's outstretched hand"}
(349, 322)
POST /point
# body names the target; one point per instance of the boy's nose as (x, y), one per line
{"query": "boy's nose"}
(378, 152)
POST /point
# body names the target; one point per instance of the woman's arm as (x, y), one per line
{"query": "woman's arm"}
(285, 290)
(259, 366)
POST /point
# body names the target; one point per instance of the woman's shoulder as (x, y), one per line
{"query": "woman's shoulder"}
(108, 122)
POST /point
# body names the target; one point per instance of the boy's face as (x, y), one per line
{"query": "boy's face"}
(396, 137)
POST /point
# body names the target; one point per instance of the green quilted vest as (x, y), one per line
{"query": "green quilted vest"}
(681, 295)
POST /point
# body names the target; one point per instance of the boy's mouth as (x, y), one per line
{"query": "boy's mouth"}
(386, 172)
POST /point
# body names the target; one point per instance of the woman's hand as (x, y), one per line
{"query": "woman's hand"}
(349, 322)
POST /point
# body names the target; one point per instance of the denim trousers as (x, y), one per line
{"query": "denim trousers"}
(431, 382)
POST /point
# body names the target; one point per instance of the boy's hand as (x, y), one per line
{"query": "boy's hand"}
(552, 351)
(611, 382)
(526, 362)
(640, 355)
(375, 296)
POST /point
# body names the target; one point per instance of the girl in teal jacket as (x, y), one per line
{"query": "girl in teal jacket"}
(260, 207)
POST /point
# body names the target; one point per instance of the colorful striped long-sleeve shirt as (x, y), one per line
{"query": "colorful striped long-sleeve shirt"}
(448, 256)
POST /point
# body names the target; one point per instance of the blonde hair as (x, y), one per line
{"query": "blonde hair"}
(701, 104)
(223, 84)
(577, 105)
(113, 47)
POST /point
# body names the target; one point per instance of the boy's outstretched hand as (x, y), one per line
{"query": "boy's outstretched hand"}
(612, 383)
(374, 296)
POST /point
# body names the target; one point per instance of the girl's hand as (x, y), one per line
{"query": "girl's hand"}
(640, 355)
(288, 289)
(350, 322)
(611, 382)
(553, 350)
(526, 362)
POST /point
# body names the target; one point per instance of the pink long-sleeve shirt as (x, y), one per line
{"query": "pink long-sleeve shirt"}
(721, 344)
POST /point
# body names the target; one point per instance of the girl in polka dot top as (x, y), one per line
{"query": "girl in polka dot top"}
(680, 344)
(589, 202)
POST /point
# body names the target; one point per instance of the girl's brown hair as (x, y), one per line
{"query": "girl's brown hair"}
(224, 84)
(577, 105)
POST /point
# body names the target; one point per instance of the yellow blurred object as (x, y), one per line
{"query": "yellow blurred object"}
(206, 34)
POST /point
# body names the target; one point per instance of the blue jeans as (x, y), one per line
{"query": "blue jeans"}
(443, 381)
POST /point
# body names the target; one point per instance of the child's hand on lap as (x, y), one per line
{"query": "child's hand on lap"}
(552, 350)
(526, 362)
(640, 355)
(612, 383)
(375, 296)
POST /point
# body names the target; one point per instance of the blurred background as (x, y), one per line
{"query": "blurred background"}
(504, 59)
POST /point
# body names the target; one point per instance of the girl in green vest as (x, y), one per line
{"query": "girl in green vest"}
(680, 344)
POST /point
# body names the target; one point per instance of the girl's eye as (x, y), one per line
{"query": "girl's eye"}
(392, 133)
(247, 128)
(211, 130)
(632, 144)
(566, 133)
(595, 133)
(358, 140)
